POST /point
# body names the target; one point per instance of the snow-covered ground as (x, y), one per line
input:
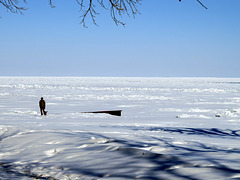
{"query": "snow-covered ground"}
(170, 128)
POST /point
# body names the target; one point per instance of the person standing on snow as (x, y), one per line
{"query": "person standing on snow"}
(42, 106)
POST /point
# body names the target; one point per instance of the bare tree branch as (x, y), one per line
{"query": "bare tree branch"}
(12, 6)
(51, 4)
(117, 8)
(90, 10)
(200, 3)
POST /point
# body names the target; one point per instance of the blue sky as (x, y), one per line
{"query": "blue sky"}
(168, 39)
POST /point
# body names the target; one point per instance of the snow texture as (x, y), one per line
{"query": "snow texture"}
(170, 128)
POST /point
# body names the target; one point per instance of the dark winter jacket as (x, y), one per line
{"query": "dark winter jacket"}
(42, 104)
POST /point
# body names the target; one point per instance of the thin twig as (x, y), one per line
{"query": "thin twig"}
(201, 4)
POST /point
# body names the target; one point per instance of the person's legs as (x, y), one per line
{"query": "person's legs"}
(41, 110)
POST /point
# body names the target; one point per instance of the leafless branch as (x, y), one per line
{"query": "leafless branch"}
(51, 4)
(12, 6)
(89, 10)
(202, 4)
(120, 7)
(117, 8)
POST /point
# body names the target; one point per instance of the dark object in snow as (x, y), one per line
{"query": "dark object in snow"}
(113, 112)
(42, 106)
(217, 115)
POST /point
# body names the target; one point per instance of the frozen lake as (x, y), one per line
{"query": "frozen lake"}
(170, 128)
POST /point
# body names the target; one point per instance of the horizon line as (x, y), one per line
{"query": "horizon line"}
(181, 77)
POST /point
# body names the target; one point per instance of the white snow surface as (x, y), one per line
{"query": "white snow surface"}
(170, 128)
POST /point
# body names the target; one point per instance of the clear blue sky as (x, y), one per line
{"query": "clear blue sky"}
(168, 39)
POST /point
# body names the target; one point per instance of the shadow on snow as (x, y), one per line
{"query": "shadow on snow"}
(127, 159)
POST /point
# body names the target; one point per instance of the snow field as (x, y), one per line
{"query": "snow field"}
(170, 128)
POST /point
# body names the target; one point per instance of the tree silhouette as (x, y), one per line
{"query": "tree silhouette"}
(117, 8)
